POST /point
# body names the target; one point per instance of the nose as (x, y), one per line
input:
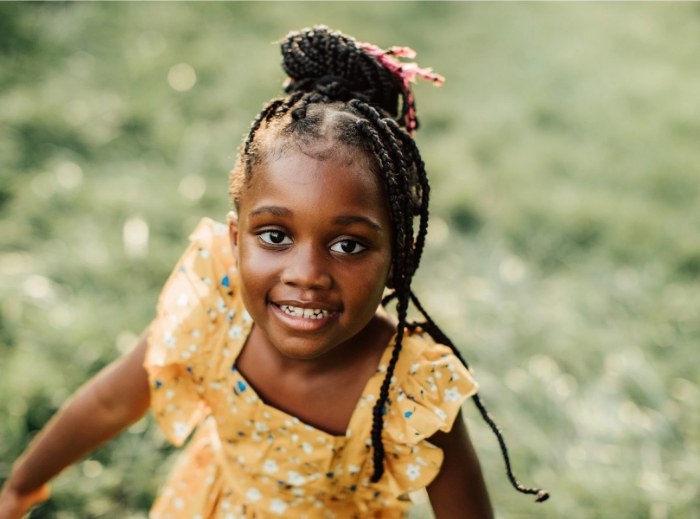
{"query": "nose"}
(307, 268)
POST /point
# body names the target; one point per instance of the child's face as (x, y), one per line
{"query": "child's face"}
(313, 244)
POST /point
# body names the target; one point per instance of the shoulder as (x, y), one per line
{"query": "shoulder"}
(200, 299)
(422, 359)
(209, 249)
(429, 386)
(204, 269)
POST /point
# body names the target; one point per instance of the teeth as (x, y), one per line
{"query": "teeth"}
(306, 313)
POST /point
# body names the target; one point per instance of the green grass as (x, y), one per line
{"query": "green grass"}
(564, 256)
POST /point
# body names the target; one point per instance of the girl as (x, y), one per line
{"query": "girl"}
(308, 400)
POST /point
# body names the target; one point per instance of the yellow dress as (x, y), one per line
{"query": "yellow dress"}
(248, 459)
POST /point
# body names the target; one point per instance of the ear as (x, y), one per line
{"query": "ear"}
(390, 277)
(232, 218)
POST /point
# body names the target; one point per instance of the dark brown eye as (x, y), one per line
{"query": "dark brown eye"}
(347, 247)
(274, 238)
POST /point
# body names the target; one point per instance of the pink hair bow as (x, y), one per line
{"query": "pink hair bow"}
(406, 72)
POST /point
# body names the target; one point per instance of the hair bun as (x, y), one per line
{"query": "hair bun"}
(334, 64)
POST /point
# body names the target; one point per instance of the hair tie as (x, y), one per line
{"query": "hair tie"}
(406, 72)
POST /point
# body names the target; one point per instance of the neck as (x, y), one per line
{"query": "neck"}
(367, 345)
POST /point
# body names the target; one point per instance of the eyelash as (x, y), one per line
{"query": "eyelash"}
(266, 238)
(272, 242)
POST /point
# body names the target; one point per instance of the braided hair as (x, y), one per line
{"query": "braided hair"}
(358, 95)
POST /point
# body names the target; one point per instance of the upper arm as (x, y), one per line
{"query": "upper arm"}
(459, 490)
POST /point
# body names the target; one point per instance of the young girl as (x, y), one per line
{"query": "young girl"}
(270, 340)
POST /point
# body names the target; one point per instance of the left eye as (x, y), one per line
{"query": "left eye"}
(347, 247)
(274, 238)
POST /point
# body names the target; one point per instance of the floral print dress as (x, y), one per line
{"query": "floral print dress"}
(248, 459)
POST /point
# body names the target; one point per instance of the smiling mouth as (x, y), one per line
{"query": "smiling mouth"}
(306, 313)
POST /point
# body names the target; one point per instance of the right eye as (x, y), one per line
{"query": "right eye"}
(274, 238)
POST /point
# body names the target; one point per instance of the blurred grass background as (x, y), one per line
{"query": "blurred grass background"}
(564, 255)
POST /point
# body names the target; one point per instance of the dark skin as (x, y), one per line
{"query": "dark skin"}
(324, 397)
(459, 490)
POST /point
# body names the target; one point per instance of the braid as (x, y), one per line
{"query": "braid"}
(402, 261)
(330, 73)
(439, 336)
(422, 194)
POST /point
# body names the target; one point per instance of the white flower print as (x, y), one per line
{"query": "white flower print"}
(295, 478)
(182, 299)
(220, 228)
(204, 253)
(253, 494)
(307, 448)
(236, 332)
(414, 369)
(452, 395)
(441, 414)
(270, 466)
(179, 429)
(169, 340)
(278, 506)
(413, 471)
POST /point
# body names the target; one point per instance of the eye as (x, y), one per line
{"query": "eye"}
(274, 238)
(347, 247)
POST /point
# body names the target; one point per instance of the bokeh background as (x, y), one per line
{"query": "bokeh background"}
(564, 256)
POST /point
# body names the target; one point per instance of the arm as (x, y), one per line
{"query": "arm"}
(110, 401)
(459, 490)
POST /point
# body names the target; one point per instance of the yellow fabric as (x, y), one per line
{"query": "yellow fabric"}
(248, 459)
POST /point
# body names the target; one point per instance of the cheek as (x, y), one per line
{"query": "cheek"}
(255, 270)
(369, 281)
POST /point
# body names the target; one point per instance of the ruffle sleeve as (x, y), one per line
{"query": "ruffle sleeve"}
(191, 307)
(429, 388)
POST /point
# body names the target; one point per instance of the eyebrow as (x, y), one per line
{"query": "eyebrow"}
(350, 219)
(270, 209)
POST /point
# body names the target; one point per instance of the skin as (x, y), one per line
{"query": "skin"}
(312, 234)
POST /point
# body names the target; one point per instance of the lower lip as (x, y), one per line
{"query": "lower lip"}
(302, 324)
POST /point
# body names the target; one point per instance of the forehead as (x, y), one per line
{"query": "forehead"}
(336, 181)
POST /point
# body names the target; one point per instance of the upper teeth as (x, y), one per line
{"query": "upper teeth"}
(308, 313)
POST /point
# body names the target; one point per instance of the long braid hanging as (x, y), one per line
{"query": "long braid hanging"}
(325, 67)
(391, 162)
(439, 336)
